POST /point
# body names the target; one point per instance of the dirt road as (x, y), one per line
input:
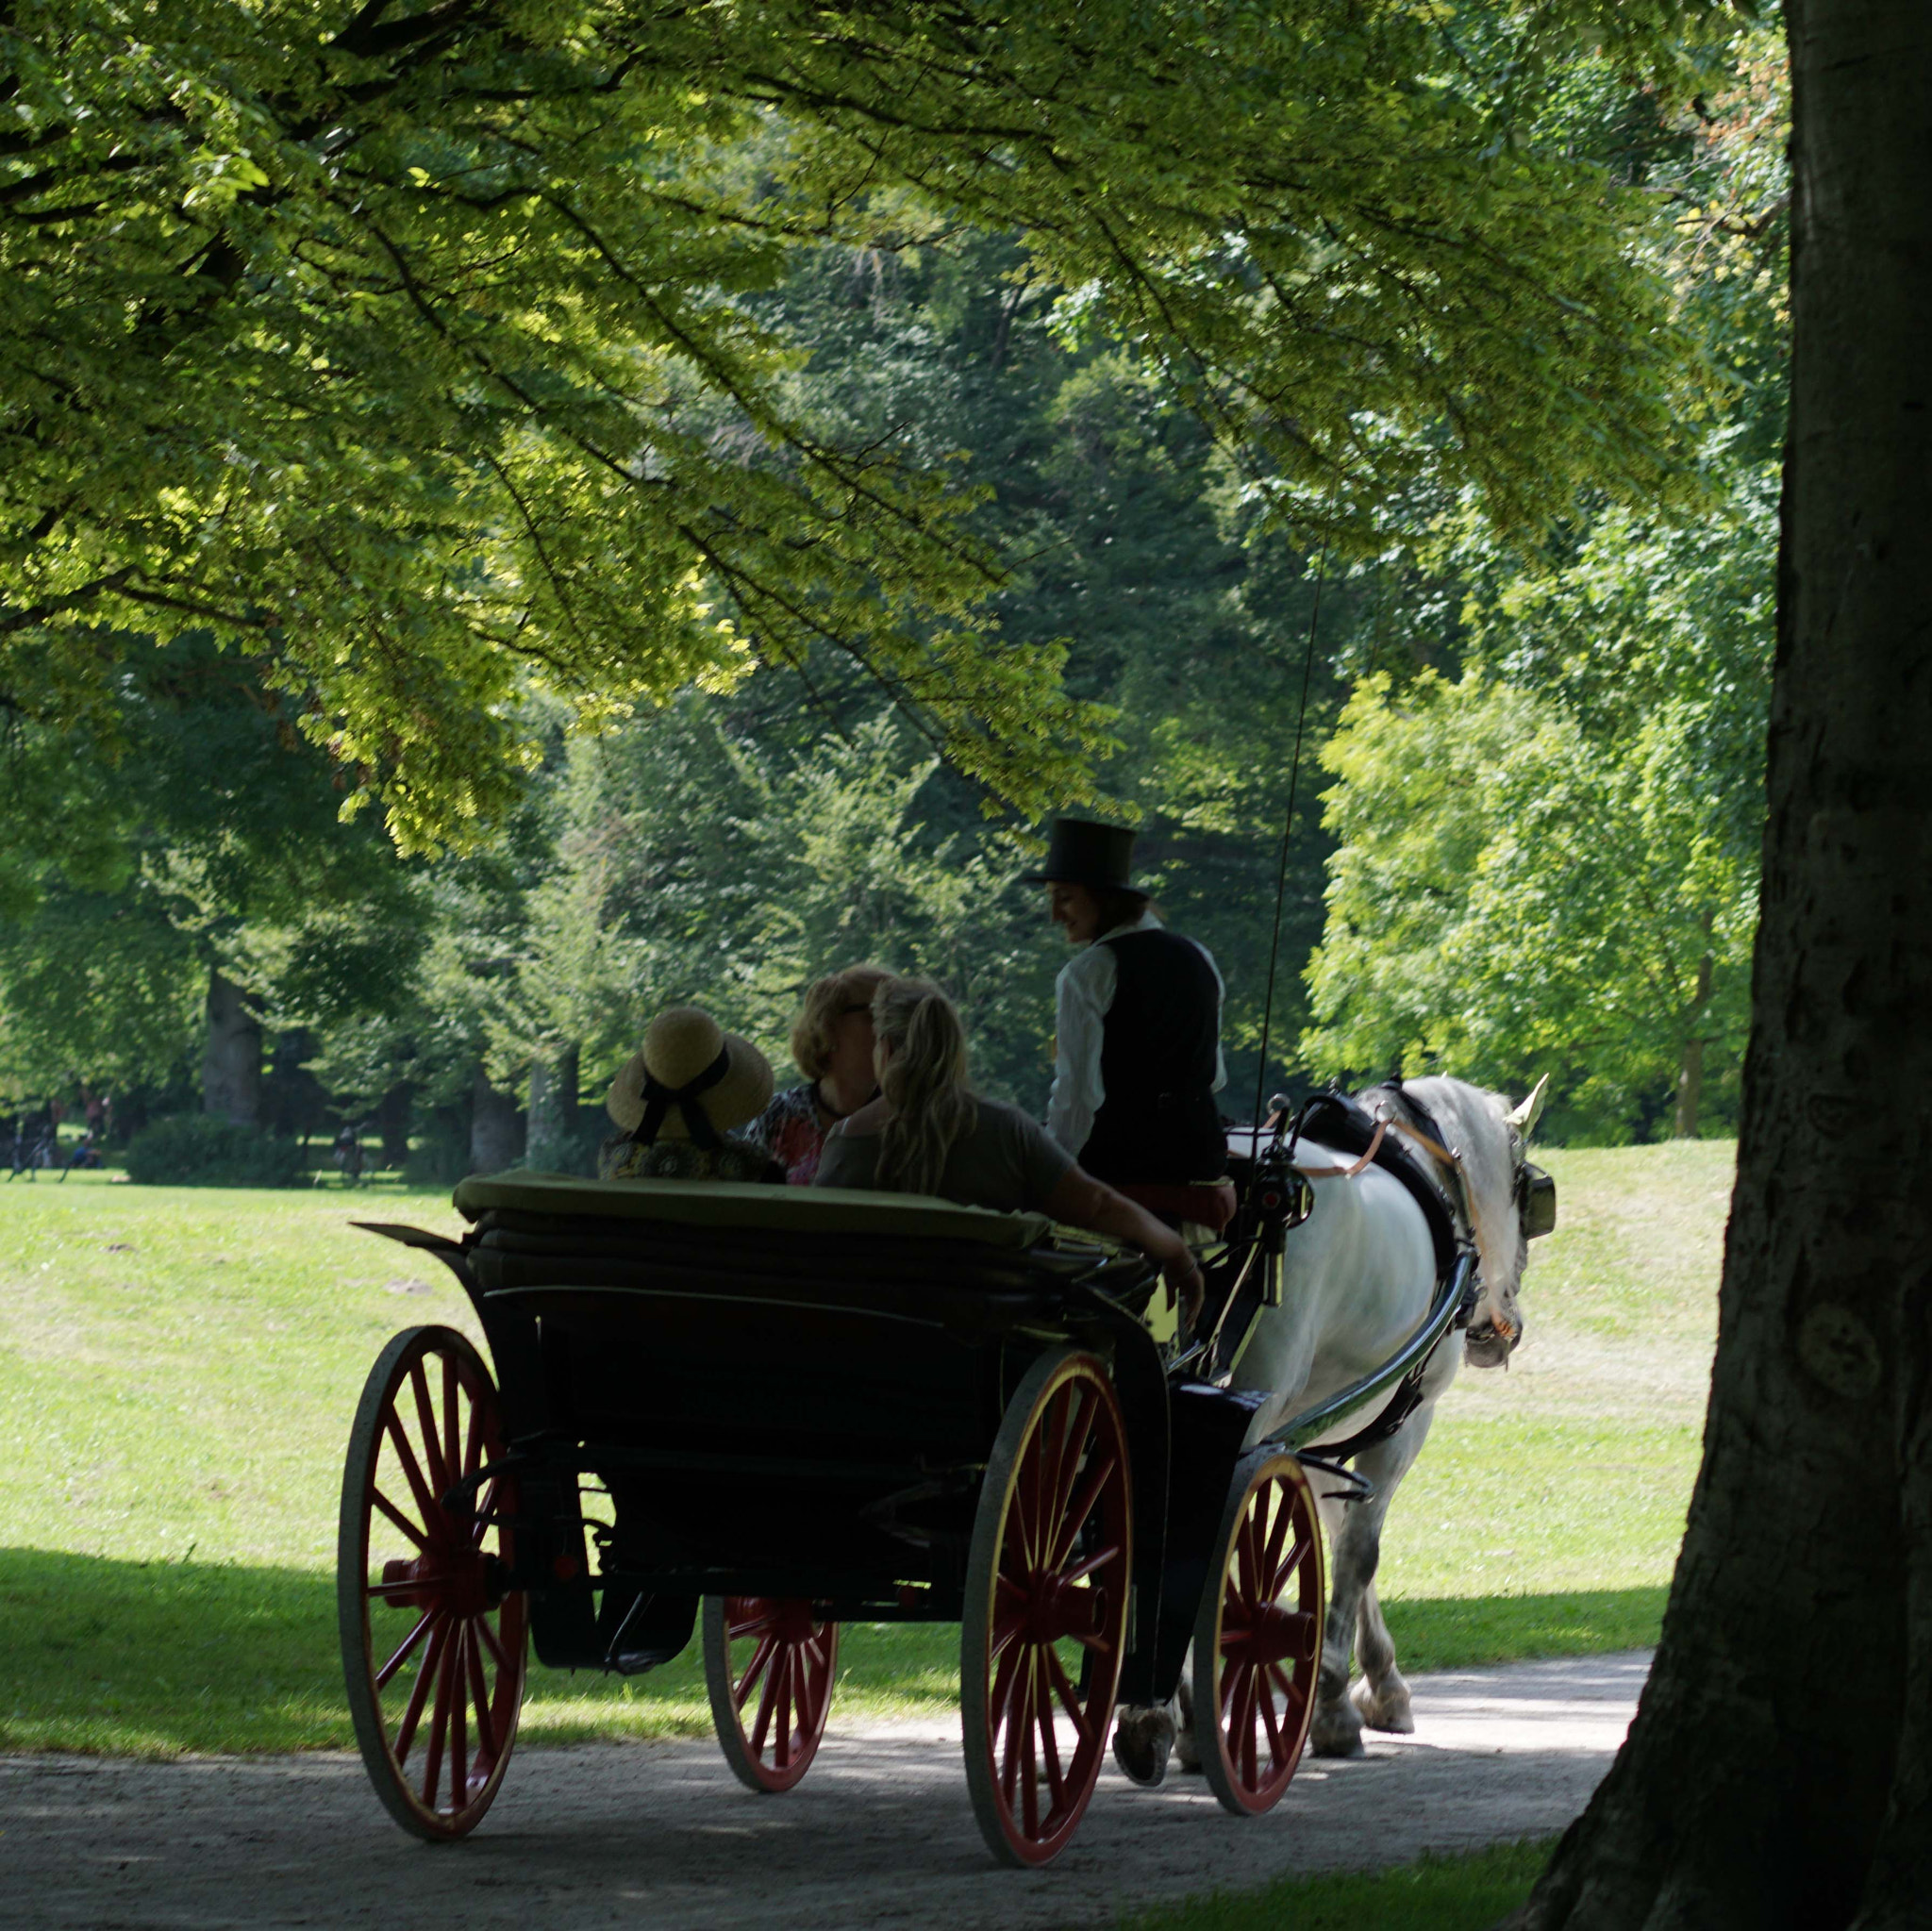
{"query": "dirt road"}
(878, 1835)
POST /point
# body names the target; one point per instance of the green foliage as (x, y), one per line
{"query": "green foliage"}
(424, 352)
(1510, 896)
(198, 1150)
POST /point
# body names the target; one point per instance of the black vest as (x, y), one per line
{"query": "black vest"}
(1159, 1049)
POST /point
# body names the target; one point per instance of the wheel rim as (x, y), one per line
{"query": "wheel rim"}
(433, 1646)
(769, 1667)
(1047, 1610)
(1258, 1646)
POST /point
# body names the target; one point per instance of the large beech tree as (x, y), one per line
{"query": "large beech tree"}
(1779, 1772)
(414, 344)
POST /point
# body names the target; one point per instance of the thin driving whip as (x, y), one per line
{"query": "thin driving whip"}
(1294, 772)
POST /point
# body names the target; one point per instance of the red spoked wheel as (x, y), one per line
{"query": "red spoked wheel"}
(767, 1658)
(1258, 1638)
(433, 1645)
(1045, 1621)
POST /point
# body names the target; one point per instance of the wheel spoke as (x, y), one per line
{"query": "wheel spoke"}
(1292, 1561)
(403, 1653)
(1049, 1743)
(781, 1739)
(760, 1658)
(1029, 1768)
(425, 1676)
(1064, 1687)
(1272, 1569)
(459, 1720)
(452, 1423)
(492, 1643)
(1247, 1729)
(439, 1725)
(479, 1695)
(432, 1436)
(1091, 1491)
(395, 1515)
(1265, 1697)
(766, 1701)
(426, 1502)
(756, 1623)
(1092, 1564)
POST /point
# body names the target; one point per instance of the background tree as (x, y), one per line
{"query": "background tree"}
(1779, 1771)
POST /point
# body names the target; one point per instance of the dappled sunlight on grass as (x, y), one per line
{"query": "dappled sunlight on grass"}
(178, 1369)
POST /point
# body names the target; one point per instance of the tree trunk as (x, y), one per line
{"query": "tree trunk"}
(496, 1135)
(231, 1059)
(554, 1111)
(1690, 1060)
(1779, 1772)
(392, 1123)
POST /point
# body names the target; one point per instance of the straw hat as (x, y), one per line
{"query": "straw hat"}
(689, 1059)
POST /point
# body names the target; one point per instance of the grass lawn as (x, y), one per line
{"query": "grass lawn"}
(1467, 1894)
(178, 1369)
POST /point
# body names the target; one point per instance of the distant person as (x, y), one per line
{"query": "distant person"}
(831, 1044)
(1137, 1061)
(348, 1152)
(677, 1101)
(928, 1132)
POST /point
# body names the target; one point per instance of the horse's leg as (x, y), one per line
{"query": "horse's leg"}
(1354, 1541)
(1381, 1697)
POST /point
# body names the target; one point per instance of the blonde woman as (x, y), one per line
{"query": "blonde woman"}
(831, 1044)
(928, 1132)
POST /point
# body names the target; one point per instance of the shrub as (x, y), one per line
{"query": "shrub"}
(196, 1150)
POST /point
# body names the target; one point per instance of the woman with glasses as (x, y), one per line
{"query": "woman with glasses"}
(831, 1044)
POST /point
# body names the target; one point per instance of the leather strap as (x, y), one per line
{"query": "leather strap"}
(1348, 1173)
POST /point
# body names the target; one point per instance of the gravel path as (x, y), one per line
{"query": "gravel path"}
(878, 1835)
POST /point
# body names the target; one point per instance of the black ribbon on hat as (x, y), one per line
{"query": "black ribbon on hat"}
(660, 1099)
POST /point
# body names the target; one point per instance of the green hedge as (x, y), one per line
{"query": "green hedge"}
(195, 1150)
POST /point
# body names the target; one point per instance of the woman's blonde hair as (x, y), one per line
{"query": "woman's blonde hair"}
(826, 1000)
(924, 1082)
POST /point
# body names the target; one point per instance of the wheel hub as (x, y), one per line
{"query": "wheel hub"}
(453, 1579)
(1274, 1634)
(1059, 1608)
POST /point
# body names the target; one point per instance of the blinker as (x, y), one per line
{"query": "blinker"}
(1536, 1201)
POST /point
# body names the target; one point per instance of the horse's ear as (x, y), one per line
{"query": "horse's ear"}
(1525, 1116)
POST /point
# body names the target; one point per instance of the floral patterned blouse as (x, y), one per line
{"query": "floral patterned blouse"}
(790, 1127)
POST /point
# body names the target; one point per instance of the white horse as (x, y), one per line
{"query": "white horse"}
(1359, 1277)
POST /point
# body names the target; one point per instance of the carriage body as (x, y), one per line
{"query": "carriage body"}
(712, 1397)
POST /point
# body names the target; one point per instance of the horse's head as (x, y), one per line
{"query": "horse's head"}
(1496, 1178)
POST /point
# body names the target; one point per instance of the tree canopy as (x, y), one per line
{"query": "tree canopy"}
(416, 348)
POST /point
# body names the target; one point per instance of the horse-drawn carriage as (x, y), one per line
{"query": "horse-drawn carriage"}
(763, 1413)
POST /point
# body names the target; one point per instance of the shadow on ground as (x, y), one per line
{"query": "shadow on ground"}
(157, 1658)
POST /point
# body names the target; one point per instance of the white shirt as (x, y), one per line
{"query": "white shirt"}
(1083, 994)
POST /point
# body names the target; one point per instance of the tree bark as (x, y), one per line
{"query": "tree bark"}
(231, 1058)
(392, 1123)
(1779, 1772)
(554, 1110)
(497, 1131)
(1690, 1060)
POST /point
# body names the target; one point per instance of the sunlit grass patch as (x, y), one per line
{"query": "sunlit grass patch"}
(178, 1369)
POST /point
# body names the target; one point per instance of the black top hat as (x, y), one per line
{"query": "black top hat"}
(1100, 857)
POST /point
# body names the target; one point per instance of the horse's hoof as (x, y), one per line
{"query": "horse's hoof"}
(1186, 1755)
(1390, 1713)
(1337, 1739)
(1141, 1741)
